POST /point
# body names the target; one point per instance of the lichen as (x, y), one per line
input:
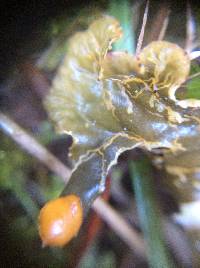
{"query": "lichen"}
(111, 102)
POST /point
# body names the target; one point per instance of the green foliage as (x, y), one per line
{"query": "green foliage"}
(10, 154)
(15, 168)
(19, 208)
(93, 259)
(193, 86)
(149, 213)
(122, 11)
(13, 164)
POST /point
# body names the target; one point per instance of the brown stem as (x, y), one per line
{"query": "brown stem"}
(107, 213)
(34, 148)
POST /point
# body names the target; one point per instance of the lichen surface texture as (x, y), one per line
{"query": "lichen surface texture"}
(111, 102)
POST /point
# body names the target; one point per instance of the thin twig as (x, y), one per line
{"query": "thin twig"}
(28, 143)
(141, 36)
(107, 213)
(120, 226)
(193, 76)
(190, 30)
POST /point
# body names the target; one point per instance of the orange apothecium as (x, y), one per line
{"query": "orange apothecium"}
(60, 220)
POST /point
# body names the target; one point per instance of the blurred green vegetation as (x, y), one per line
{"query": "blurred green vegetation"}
(193, 86)
(21, 197)
(149, 212)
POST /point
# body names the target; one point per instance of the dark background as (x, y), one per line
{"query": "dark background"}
(25, 22)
